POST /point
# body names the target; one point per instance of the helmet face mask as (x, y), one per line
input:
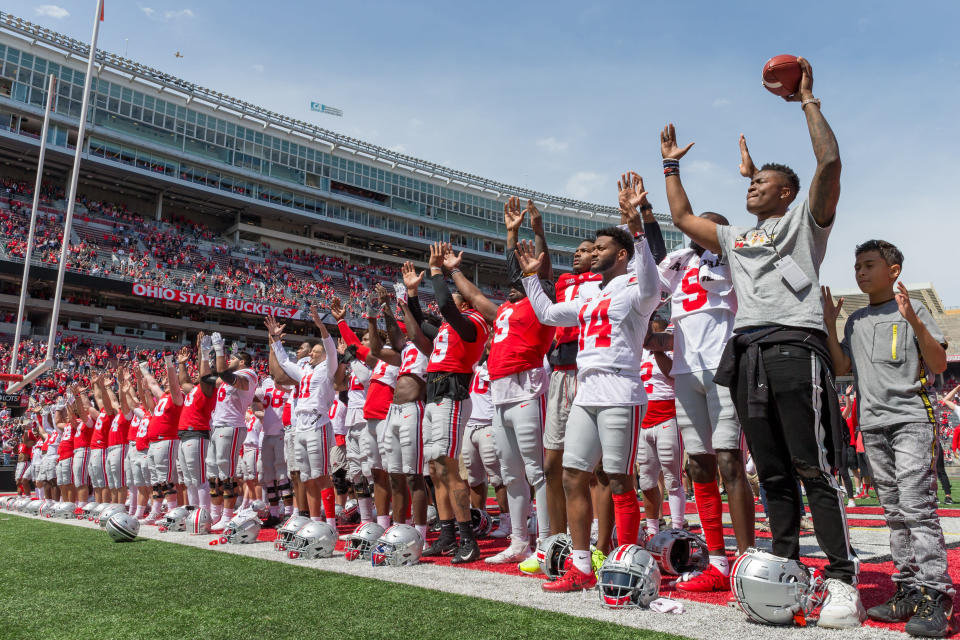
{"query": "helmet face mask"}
(287, 530)
(678, 551)
(313, 540)
(243, 529)
(108, 512)
(774, 590)
(628, 578)
(360, 543)
(400, 545)
(554, 554)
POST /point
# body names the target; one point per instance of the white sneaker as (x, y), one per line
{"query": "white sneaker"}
(218, 526)
(842, 608)
(503, 529)
(518, 551)
(851, 503)
(150, 518)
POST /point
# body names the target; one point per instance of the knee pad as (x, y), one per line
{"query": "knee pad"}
(363, 489)
(340, 482)
(229, 489)
(169, 489)
(157, 492)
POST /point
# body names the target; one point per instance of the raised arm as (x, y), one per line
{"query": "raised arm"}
(329, 346)
(539, 241)
(150, 382)
(933, 353)
(841, 361)
(414, 332)
(700, 230)
(555, 314)
(176, 393)
(825, 185)
(948, 399)
(632, 197)
(448, 308)
(353, 342)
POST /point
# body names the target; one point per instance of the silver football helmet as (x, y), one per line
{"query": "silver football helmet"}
(629, 577)
(243, 529)
(260, 508)
(351, 512)
(109, 511)
(554, 553)
(32, 508)
(198, 521)
(122, 527)
(90, 510)
(49, 508)
(313, 540)
(174, 520)
(775, 590)
(678, 551)
(400, 545)
(286, 530)
(20, 506)
(65, 510)
(362, 541)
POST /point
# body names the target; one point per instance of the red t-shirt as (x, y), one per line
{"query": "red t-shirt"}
(165, 420)
(568, 286)
(454, 354)
(852, 422)
(66, 443)
(520, 341)
(197, 409)
(101, 427)
(81, 435)
(118, 430)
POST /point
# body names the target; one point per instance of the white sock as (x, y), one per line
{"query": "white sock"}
(678, 505)
(132, 508)
(384, 521)
(288, 510)
(203, 499)
(365, 506)
(504, 521)
(275, 510)
(581, 560)
(721, 563)
(155, 509)
(140, 510)
(332, 522)
(422, 530)
(653, 526)
(228, 514)
(171, 502)
(215, 511)
(316, 518)
(39, 493)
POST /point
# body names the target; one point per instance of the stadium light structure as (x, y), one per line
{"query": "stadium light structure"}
(68, 219)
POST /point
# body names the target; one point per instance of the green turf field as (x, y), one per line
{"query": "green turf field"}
(60, 581)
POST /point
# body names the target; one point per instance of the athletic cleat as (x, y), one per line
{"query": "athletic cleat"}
(710, 579)
(851, 503)
(518, 551)
(898, 608)
(806, 523)
(503, 527)
(219, 525)
(572, 580)
(151, 518)
(530, 566)
(468, 551)
(441, 547)
(596, 560)
(842, 608)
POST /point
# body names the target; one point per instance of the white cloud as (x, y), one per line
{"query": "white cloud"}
(586, 185)
(167, 16)
(52, 11)
(258, 68)
(721, 102)
(148, 11)
(552, 145)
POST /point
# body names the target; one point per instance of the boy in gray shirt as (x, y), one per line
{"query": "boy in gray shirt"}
(894, 350)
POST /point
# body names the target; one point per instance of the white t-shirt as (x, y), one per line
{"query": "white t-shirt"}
(233, 402)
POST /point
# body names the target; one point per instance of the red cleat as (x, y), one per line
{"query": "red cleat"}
(572, 580)
(709, 580)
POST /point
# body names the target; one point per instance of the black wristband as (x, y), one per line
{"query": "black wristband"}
(227, 376)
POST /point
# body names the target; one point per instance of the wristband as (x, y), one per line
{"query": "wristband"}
(671, 167)
(527, 275)
(455, 270)
(816, 101)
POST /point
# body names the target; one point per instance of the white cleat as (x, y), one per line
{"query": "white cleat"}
(150, 518)
(518, 551)
(219, 525)
(842, 608)
(503, 529)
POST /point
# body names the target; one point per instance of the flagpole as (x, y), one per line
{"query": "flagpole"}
(71, 205)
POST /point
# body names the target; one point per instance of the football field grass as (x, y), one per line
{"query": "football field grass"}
(73, 583)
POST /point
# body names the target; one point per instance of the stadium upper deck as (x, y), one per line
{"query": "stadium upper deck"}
(158, 131)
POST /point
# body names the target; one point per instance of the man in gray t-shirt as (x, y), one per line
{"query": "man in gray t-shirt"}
(777, 365)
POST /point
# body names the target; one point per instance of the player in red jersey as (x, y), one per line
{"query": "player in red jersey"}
(86, 414)
(193, 428)
(366, 465)
(23, 473)
(117, 441)
(518, 382)
(162, 436)
(454, 348)
(97, 466)
(64, 419)
(144, 402)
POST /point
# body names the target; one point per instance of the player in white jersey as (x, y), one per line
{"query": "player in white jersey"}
(274, 479)
(227, 431)
(703, 308)
(311, 418)
(290, 438)
(358, 380)
(49, 462)
(661, 449)
(604, 420)
(250, 458)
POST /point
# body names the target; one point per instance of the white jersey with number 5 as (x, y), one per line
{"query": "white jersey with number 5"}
(613, 325)
(233, 402)
(272, 398)
(703, 307)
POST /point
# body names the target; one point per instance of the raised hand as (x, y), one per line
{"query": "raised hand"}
(904, 304)
(436, 255)
(513, 214)
(536, 219)
(274, 328)
(747, 168)
(341, 346)
(831, 311)
(631, 193)
(315, 316)
(806, 83)
(451, 260)
(183, 356)
(382, 293)
(411, 280)
(337, 309)
(668, 144)
(527, 257)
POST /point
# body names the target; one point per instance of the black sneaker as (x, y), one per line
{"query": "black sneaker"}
(272, 522)
(899, 608)
(468, 551)
(932, 619)
(947, 500)
(441, 547)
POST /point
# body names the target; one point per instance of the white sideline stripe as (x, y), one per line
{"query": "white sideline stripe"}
(723, 622)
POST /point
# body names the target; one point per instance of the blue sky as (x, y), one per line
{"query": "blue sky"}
(564, 96)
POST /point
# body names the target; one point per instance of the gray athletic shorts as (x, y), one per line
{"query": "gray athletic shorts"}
(603, 434)
(338, 457)
(65, 472)
(313, 451)
(223, 453)
(402, 439)
(97, 468)
(80, 458)
(140, 463)
(290, 450)
(443, 423)
(705, 414)
(357, 466)
(562, 390)
(479, 455)
(117, 466)
(273, 463)
(370, 447)
(163, 461)
(660, 450)
(193, 460)
(24, 471)
(519, 436)
(248, 463)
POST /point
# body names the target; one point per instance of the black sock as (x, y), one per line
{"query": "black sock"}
(466, 531)
(448, 531)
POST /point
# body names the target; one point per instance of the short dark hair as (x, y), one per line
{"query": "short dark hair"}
(792, 179)
(619, 236)
(245, 358)
(887, 251)
(313, 342)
